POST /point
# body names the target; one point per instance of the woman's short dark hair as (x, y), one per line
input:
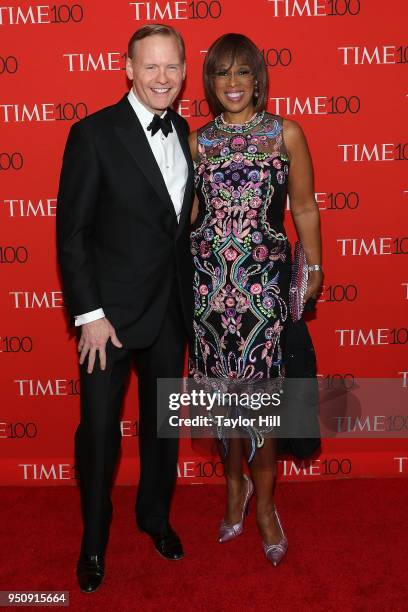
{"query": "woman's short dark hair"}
(224, 51)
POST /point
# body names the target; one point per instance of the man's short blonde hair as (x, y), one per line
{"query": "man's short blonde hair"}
(154, 29)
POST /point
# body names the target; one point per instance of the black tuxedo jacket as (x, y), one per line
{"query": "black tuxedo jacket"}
(119, 244)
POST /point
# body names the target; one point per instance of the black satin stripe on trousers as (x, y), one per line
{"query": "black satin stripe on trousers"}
(98, 437)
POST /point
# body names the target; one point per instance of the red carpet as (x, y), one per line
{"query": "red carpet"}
(348, 542)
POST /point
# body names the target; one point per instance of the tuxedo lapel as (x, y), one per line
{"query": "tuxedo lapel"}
(133, 137)
(182, 136)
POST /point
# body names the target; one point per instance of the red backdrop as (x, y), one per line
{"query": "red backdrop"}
(337, 67)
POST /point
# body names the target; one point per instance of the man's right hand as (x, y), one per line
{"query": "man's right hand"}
(94, 337)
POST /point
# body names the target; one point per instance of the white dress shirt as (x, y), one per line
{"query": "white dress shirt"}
(173, 166)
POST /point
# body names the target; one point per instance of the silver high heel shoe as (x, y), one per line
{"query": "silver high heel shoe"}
(228, 532)
(275, 552)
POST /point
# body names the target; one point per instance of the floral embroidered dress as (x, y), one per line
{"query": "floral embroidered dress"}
(241, 255)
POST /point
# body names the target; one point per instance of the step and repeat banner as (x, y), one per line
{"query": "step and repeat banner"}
(339, 68)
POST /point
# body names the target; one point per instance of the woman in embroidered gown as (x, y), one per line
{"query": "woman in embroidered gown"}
(245, 162)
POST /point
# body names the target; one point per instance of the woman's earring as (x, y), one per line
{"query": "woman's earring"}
(256, 90)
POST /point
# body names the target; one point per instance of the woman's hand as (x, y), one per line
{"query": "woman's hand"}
(314, 284)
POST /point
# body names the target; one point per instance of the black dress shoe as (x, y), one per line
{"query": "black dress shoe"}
(168, 545)
(90, 572)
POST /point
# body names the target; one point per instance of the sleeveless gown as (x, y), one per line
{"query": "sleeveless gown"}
(242, 258)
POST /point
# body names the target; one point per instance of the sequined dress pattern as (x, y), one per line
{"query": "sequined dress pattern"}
(241, 255)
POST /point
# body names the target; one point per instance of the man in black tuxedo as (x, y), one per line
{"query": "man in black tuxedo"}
(123, 215)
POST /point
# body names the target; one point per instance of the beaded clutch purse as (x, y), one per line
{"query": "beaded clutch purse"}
(298, 282)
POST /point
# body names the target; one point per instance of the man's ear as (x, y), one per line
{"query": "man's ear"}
(184, 70)
(129, 68)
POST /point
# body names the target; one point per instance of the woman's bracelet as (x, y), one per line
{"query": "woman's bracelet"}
(314, 267)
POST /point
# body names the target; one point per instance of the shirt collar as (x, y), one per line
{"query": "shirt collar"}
(143, 114)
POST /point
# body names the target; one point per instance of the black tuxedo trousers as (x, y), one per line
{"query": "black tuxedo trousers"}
(98, 437)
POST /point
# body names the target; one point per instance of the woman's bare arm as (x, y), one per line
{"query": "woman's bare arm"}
(305, 211)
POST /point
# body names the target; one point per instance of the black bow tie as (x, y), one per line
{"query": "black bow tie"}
(161, 123)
